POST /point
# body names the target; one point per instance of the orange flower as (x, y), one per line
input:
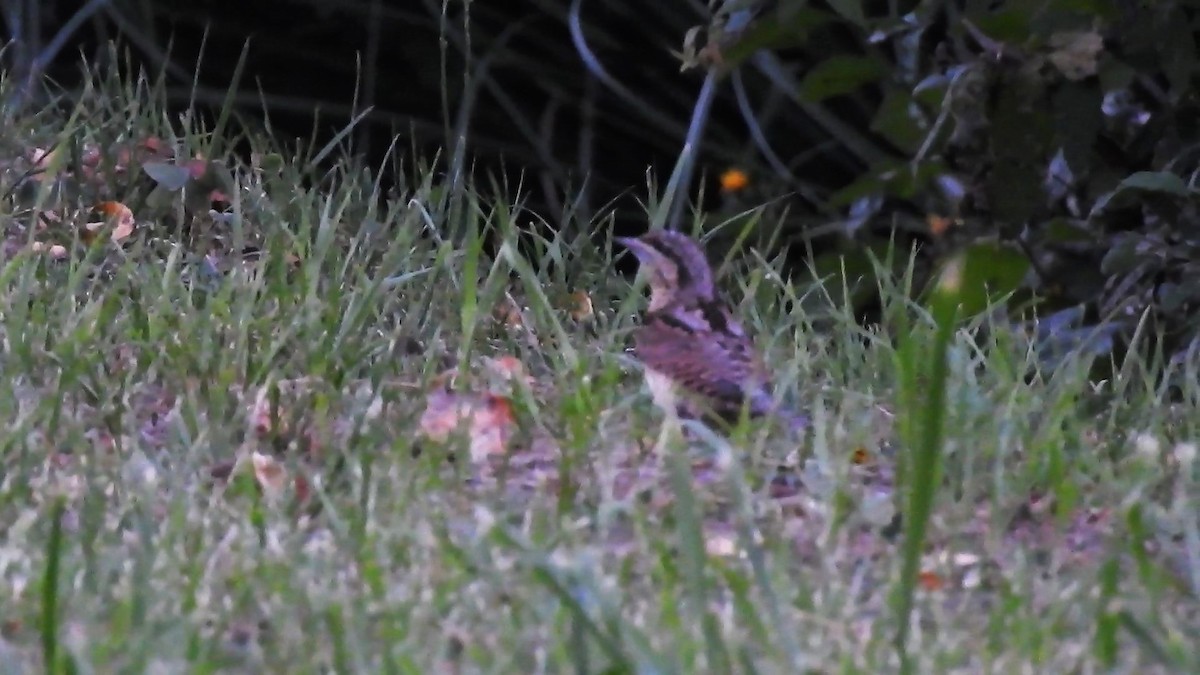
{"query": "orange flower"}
(734, 180)
(939, 224)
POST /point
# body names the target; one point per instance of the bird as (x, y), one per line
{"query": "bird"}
(689, 340)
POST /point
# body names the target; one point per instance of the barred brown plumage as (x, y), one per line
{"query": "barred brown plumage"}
(689, 338)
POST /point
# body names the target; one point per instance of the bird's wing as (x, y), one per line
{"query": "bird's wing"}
(720, 366)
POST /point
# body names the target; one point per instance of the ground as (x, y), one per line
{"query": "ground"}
(262, 418)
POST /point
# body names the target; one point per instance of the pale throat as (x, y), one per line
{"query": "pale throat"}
(664, 290)
(659, 299)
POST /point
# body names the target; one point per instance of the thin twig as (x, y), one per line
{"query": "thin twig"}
(695, 136)
(867, 152)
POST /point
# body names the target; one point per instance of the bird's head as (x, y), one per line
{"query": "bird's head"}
(675, 265)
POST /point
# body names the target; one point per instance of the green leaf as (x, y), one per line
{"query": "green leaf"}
(1161, 182)
(851, 10)
(1122, 256)
(272, 163)
(840, 75)
(789, 27)
(1104, 643)
(923, 369)
(1102, 8)
(1007, 25)
(50, 618)
(895, 121)
(1155, 181)
(1066, 231)
(893, 179)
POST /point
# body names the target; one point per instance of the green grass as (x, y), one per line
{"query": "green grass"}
(1061, 536)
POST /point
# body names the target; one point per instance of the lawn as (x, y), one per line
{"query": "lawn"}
(264, 416)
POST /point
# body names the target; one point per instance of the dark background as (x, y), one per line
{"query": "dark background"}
(530, 118)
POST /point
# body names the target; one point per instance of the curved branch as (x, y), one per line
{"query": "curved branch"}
(756, 132)
(597, 69)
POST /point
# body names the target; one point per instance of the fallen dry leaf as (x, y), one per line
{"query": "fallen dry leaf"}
(489, 418)
(269, 473)
(581, 306)
(114, 213)
(272, 476)
(508, 367)
(508, 312)
(1076, 53)
(492, 423)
